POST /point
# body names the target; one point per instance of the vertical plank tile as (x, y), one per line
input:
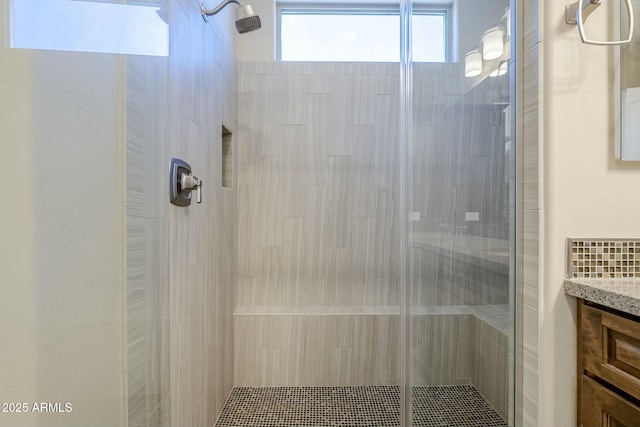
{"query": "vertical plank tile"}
(338, 202)
(293, 98)
(317, 128)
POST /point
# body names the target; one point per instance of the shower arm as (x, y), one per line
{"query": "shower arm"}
(209, 12)
(577, 12)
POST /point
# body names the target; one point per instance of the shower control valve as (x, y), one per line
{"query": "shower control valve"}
(189, 182)
(182, 184)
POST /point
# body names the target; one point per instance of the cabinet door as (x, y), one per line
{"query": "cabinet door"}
(601, 407)
(611, 348)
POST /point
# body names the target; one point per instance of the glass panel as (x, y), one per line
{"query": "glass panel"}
(88, 131)
(429, 34)
(461, 203)
(367, 35)
(340, 37)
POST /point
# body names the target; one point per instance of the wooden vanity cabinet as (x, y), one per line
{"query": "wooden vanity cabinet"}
(608, 367)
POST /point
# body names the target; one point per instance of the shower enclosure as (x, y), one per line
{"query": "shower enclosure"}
(376, 206)
(355, 244)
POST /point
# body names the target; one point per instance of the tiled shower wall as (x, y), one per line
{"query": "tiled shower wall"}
(459, 161)
(316, 348)
(317, 209)
(530, 213)
(180, 260)
(458, 152)
(317, 219)
(318, 215)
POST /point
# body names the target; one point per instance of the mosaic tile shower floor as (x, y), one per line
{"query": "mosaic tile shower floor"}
(367, 406)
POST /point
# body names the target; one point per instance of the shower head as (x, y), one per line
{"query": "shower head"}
(246, 19)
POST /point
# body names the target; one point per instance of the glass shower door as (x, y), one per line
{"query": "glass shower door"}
(84, 117)
(460, 251)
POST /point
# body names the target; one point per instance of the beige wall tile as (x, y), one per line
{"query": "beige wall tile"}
(491, 376)
(448, 356)
(315, 350)
(293, 98)
(336, 170)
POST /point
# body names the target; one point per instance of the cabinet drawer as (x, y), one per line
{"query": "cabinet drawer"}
(611, 348)
(602, 407)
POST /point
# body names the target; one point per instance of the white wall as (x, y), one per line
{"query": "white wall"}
(17, 236)
(61, 247)
(586, 193)
(259, 45)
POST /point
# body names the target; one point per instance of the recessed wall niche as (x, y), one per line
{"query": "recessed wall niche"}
(227, 158)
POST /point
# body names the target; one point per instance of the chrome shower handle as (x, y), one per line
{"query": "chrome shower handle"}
(577, 13)
(189, 182)
(182, 183)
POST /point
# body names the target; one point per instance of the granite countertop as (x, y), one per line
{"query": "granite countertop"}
(620, 294)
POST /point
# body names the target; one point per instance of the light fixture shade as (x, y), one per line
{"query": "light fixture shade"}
(492, 44)
(501, 70)
(472, 63)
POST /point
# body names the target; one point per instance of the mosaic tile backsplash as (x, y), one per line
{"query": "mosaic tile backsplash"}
(603, 258)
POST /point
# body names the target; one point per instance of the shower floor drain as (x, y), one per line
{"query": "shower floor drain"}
(366, 406)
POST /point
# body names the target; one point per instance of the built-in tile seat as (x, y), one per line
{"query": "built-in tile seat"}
(359, 345)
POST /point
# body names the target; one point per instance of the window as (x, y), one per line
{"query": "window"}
(314, 33)
(90, 26)
(430, 36)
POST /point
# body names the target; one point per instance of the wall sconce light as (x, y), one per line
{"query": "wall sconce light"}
(492, 44)
(473, 63)
(501, 70)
